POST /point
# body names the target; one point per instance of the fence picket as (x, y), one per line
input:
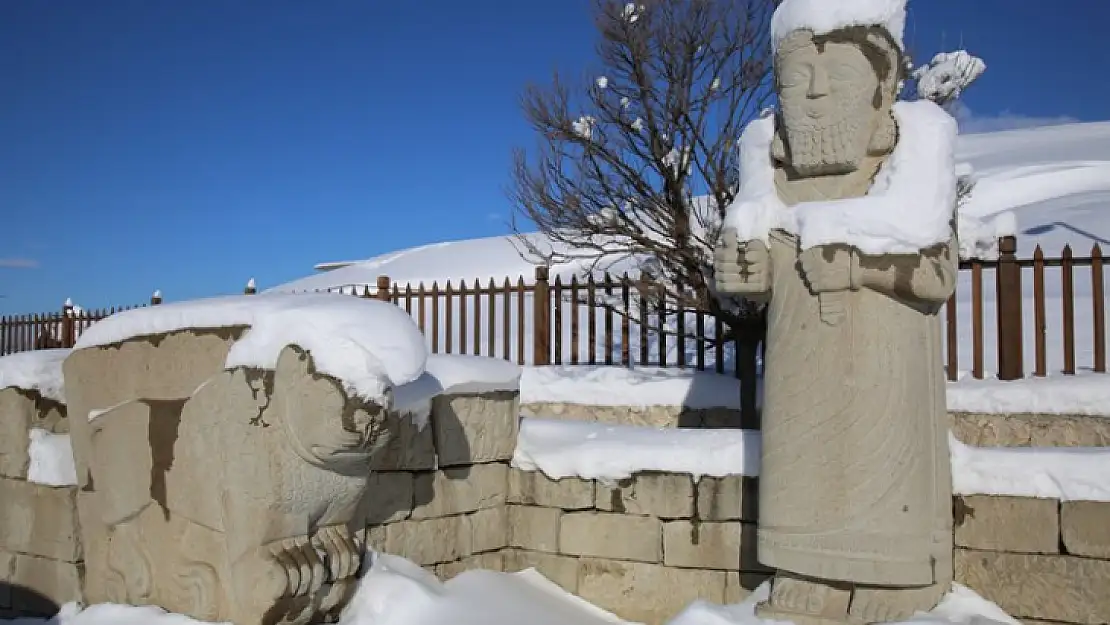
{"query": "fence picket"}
(1067, 290)
(608, 312)
(977, 320)
(1040, 323)
(626, 321)
(574, 320)
(557, 296)
(1098, 299)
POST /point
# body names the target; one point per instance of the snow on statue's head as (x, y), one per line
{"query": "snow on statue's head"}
(838, 67)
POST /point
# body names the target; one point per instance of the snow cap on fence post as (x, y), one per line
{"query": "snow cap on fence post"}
(69, 331)
(383, 284)
(156, 297)
(250, 289)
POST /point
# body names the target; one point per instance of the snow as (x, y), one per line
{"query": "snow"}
(51, 459)
(449, 374)
(1064, 473)
(584, 127)
(369, 345)
(621, 386)
(39, 371)
(610, 453)
(823, 17)
(908, 208)
(1085, 394)
(945, 77)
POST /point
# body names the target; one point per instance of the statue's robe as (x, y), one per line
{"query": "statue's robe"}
(856, 480)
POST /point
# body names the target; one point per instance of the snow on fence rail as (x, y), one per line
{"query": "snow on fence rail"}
(1045, 313)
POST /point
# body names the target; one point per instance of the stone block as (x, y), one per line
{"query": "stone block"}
(611, 536)
(534, 528)
(473, 429)
(646, 593)
(533, 488)
(489, 530)
(701, 545)
(732, 498)
(563, 570)
(1085, 526)
(1030, 430)
(1045, 587)
(410, 447)
(482, 562)
(16, 414)
(459, 490)
(51, 583)
(738, 586)
(663, 495)
(1017, 524)
(389, 497)
(39, 520)
(7, 563)
(430, 541)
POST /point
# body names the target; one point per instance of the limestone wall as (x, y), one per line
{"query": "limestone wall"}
(40, 549)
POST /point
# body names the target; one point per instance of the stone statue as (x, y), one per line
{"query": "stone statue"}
(855, 487)
(224, 495)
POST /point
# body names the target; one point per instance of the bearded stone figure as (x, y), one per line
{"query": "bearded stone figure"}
(855, 486)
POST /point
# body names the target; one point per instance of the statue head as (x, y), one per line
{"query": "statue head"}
(835, 94)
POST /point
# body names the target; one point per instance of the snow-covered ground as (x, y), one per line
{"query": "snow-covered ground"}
(1055, 181)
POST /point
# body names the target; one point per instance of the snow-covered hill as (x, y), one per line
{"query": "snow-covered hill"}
(1055, 179)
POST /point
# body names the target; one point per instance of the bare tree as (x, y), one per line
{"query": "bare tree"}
(638, 162)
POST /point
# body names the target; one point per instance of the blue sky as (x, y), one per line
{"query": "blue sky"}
(188, 146)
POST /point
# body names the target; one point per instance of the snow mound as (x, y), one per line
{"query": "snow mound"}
(39, 371)
(1064, 473)
(610, 453)
(51, 459)
(369, 345)
(908, 208)
(823, 17)
(620, 386)
(397, 592)
(1084, 394)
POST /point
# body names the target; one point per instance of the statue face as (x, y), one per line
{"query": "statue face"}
(827, 97)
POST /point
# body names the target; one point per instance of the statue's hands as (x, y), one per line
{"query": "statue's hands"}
(741, 268)
(829, 268)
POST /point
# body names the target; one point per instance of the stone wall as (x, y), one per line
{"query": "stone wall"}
(40, 549)
(1038, 559)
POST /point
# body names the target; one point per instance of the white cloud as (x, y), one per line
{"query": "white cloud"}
(974, 123)
(18, 263)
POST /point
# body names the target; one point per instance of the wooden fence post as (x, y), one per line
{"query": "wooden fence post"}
(541, 314)
(69, 333)
(383, 285)
(1009, 296)
(156, 298)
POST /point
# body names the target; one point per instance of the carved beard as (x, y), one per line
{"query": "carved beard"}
(827, 149)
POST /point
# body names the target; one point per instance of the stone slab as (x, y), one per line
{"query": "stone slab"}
(732, 498)
(1016, 524)
(39, 520)
(646, 593)
(611, 536)
(533, 488)
(1030, 430)
(1085, 527)
(479, 428)
(663, 495)
(51, 583)
(534, 528)
(459, 490)
(563, 570)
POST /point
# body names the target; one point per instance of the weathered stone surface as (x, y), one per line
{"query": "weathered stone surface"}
(39, 520)
(534, 528)
(430, 541)
(233, 479)
(664, 495)
(1030, 430)
(16, 414)
(489, 529)
(7, 564)
(482, 561)
(389, 497)
(472, 429)
(650, 416)
(1048, 587)
(611, 536)
(646, 593)
(563, 570)
(1085, 526)
(732, 498)
(699, 545)
(409, 447)
(1017, 524)
(533, 488)
(57, 582)
(458, 490)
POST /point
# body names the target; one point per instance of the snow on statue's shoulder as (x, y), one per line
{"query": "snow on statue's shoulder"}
(825, 16)
(909, 208)
(369, 345)
(38, 371)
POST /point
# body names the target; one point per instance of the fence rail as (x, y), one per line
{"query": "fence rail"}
(603, 320)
